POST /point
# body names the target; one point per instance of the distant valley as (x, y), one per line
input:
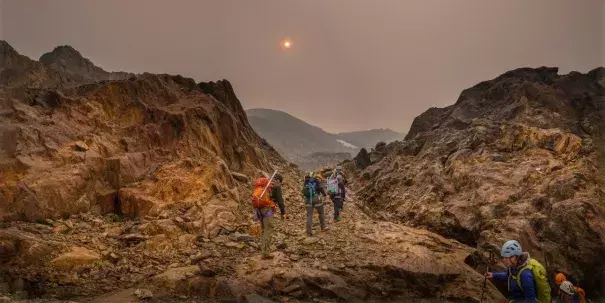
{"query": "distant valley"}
(309, 146)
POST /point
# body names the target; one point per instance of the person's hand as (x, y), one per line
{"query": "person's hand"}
(489, 275)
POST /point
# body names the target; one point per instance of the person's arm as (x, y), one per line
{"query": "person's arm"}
(343, 191)
(321, 190)
(500, 276)
(528, 286)
(278, 197)
(581, 294)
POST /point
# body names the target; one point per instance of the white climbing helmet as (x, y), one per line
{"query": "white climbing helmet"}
(567, 288)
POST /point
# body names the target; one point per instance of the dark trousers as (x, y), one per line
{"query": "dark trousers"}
(337, 200)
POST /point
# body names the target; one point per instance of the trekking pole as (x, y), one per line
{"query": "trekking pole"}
(545, 262)
(485, 278)
(268, 184)
(547, 270)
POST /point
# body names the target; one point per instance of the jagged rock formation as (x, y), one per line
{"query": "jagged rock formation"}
(140, 186)
(68, 61)
(115, 147)
(18, 71)
(517, 157)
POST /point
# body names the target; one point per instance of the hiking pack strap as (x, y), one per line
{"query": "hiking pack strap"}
(517, 278)
(311, 186)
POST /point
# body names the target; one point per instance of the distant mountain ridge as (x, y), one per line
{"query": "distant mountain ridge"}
(369, 138)
(301, 142)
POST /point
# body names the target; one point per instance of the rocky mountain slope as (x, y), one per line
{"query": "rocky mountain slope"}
(517, 157)
(309, 146)
(295, 139)
(65, 59)
(369, 138)
(138, 188)
(18, 71)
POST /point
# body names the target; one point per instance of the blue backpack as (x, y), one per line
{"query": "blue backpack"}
(310, 189)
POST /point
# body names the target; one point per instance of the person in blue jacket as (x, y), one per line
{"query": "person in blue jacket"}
(514, 258)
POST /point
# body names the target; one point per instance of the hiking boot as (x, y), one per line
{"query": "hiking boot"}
(268, 257)
(325, 228)
(336, 219)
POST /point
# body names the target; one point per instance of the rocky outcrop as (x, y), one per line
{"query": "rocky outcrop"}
(517, 157)
(122, 147)
(68, 61)
(18, 71)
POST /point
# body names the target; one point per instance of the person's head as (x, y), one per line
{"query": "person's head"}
(567, 291)
(277, 180)
(511, 251)
(560, 278)
(309, 176)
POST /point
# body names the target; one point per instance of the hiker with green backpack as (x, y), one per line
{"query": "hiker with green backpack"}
(526, 277)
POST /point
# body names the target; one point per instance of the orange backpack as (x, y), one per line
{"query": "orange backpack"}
(265, 200)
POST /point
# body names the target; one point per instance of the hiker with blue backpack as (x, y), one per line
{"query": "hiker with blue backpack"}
(337, 191)
(313, 192)
(526, 277)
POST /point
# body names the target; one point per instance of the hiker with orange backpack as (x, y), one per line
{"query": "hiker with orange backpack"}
(264, 209)
(526, 277)
(567, 292)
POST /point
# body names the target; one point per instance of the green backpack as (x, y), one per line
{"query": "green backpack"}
(540, 278)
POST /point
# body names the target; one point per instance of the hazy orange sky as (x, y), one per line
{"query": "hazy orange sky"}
(354, 64)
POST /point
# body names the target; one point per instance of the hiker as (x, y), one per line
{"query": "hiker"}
(336, 190)
(568, 294)
(340, 172)
(342, 185)
(277, 194)
(264, 208)
(525, 276)
(312, 193)
(578, 292)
